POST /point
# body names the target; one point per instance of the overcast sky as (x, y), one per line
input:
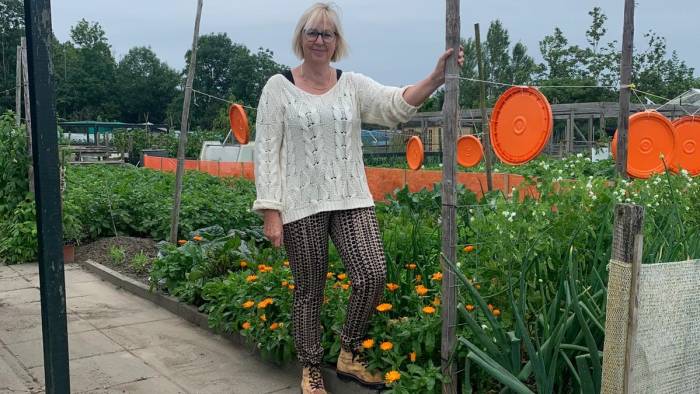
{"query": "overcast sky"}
(394, 41)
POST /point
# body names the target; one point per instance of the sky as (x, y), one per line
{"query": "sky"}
(396, 42)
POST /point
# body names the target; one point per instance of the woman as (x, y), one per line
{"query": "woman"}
(311, 183)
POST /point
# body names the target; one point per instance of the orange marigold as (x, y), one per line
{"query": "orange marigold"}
(469, 248)
(285, 263)
(263, 317)
(243, 264)
(436, 276)
(345, 286)
(386, 346)
(291, 287)
(330, 275)
(469, 307)
(274, 326)
(421, 290)
(248, 304)
(181, 242)
(264, 303)
(392, 287)
(412, 357)
(429, 310)
(368, 343)
(411, 266)
(392, 376)
(197, 238)
(490, 307)
(285, 283)
(342, 276)
(246, 325)
(384, 307)
(419, 278)
(436, 301)
(496, 312)
(251, 278)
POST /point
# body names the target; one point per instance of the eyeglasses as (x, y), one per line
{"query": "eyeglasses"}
(326, 36)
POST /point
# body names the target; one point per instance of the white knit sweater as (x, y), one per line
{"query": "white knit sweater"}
(308, 148)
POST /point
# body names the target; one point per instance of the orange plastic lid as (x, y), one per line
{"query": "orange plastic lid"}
(650, 135)
(613, 146)
(521, 125)
(687, 155)
(469, 151)
(414, 153)
(239, 123)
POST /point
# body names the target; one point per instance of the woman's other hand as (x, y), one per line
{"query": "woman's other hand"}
(273, 227)
(439, 72)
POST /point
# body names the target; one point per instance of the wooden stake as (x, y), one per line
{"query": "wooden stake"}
(184, 128)
(482, 102)
(627, 247)
(27, 111)
(451, 114)
(18, 88)
(625, 80)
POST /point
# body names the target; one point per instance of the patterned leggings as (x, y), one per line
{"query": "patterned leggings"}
(355, 233)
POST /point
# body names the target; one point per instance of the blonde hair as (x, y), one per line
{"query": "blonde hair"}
(325, 12)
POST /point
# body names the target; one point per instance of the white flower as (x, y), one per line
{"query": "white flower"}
(579, 155)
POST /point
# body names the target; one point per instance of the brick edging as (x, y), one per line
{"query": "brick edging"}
(194, 316)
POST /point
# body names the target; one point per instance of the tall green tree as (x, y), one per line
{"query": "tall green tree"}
(87, 89)
(145, 86)
(11, 31)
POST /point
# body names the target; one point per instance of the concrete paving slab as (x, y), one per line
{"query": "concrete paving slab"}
(16, 283)
(21, 296)
(80, 345)
(144, 386)
(25, 269)
(24, 323)
(72, 276)
(164, 332)
(225, 370)
(102, 372)
(13, 377)
(7, 272)
(107, 307)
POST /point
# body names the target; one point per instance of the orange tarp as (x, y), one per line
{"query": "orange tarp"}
(381, 181)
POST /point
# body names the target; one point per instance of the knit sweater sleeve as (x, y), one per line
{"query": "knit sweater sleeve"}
(269, 134)
(381, 105)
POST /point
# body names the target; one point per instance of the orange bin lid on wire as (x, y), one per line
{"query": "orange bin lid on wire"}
(687, 154)
(521, 125)
(414, 152)
(239, 123)
(650, 135)
(469, 151)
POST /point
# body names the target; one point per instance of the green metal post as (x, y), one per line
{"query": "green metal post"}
(37, 19)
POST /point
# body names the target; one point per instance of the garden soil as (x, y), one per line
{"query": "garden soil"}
(99, 252)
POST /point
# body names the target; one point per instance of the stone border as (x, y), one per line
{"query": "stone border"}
(194, 316)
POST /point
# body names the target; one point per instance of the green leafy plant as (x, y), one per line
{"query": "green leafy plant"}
(117, 254)
(140, 262)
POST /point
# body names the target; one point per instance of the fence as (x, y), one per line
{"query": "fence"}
(381, 181)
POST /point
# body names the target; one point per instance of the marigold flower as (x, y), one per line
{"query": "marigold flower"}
(330, 275)
(285, 263)
(477, 286)
(243, 264)
(490, 307)
(386, 346)
(411, 266)
(345, 286)
(469, 248)
(251, 278)
(246, 325)
(384, 307)
(436, 276)
(428, 310)
(496, 312)
(290, 287)
(274, 326)
(342, 276)
(197, 238)
(421, 290)
(264, 303)
(248, 304)
(469, 307)
(263, 317)
(181, 242)
(392, 376)
(419, 278)
(412, 357)
(285, 283)
(368, 343)
(436, 301)
(264, 268)
(392, 287)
